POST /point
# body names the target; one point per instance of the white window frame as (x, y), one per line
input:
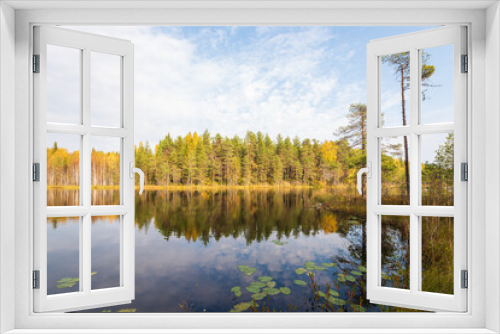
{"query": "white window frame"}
(414, 297)
(483, 100)
(86, 297)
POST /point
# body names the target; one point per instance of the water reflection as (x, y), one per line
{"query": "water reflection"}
(189, 245)
(60, 196)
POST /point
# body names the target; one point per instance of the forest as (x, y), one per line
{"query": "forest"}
(259, 161)
(196, 161)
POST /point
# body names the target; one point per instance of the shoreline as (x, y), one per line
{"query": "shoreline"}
(195, 187)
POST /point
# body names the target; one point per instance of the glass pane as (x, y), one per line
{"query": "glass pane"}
(105, 252)
(395, 89)
(63, 169)
(396, 251)
(105, 90)
(105, 172)
(63, 255)
(437, 85)
(437, 254)
(63, 85)
(395, 170)
(437, 154)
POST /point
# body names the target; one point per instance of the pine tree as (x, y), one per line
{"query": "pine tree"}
(401, 65)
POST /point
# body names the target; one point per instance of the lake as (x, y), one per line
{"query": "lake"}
(194, 246)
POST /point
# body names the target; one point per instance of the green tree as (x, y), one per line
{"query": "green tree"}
(401, 64)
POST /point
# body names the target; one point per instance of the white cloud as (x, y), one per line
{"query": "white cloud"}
(277, 83)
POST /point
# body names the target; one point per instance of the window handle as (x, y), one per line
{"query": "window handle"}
(368, 171)
(134, 170)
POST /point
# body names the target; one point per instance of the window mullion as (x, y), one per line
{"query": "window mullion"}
(415, 266)
(85, 244)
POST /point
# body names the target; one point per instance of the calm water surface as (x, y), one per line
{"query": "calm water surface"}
(189, 245)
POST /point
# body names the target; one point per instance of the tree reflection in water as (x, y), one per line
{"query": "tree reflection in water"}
(204, 235)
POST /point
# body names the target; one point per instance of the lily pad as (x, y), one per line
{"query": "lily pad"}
(253, 289)
(258, 296)
(299, 282)
(328, 265)
(243, 267)
(241, 307)
(310, 265)
(350, 278)
(250, 271)
(319, 268)
(362, 269)
(341, 278)
(271, 291)
(357, 273)
(258, 284)
(285, 290)
(265, 278)
(68, 279)
(237, 291)
(321, 294)
(67, 282)
(300, 271)
(271, 284)
(334, 293)
(336, 301)
(385, 276)
(66, 285)
(279, 243)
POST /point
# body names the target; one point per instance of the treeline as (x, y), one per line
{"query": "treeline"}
(255, 159)
(258, 160)
(63, 167)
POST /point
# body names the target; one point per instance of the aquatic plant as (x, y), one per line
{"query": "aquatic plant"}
(265, 278)
(237, 291)
(248, 271)
(69, 282)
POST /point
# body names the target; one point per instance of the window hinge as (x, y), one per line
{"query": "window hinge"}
(464, 174)
(36, 279)
(36, 172)
(465, 64)
(465, 279)
(36, 63)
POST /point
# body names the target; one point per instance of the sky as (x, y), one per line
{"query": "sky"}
(293, 81)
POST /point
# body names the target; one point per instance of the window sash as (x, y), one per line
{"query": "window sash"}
(86, 297)
(414, 298)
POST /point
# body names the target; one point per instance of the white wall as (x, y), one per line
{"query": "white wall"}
(489, 105)
(7, 160)
(492, 163)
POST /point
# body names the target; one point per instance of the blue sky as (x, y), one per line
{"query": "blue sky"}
(297, 81)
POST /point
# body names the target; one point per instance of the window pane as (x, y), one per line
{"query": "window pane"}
(395, 170)
(437, 254)
(437, 154)
(105, 90)
(395, 89)
(437, 85)
(396, 251)
(105, 172)
(63, 85)
(105, 252)
(63, 255)
(63, 169)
